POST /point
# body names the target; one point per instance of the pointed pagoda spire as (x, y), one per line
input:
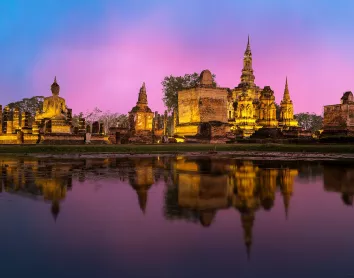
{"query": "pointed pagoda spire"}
(247, 70)
(142, 99)
(248, 47)
(286, 96)
(55, 79)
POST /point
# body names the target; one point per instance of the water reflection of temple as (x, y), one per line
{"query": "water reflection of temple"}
(31, 178)
(339, 177)
(206, 185)
(196, 188)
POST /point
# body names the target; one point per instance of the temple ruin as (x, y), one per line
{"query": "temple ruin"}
(338, 119)
(50, 125)
(246, 110)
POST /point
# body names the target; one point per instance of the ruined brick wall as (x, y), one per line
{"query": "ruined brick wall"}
(188, 111)
(219, 131)
(143, 121)
(350, 120)
(335, 115)
(202, 105)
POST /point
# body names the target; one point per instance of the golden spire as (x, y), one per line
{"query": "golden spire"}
(247, 76)
(248, 48)
(142, 99)
(286, 91)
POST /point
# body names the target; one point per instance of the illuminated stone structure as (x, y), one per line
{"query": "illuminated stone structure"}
(339, 118)
(141, 113)
(243, 110)
(267, 109)
(141, 119)
(54, 113)
(247, 107)
(16, 120)
(286, 119)
(202, 110)
(52, 124)
(245, 113)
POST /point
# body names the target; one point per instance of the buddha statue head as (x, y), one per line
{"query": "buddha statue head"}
(55, 88)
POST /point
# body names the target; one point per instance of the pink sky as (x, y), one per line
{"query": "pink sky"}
(102, 53)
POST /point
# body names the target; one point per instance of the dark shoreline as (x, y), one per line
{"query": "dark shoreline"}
(257, 151)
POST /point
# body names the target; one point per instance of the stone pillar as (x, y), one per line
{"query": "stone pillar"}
(82, 125)
(6, 117)
(35, 128)
(9, 127)
(88, 129)
(95, 127)
(16, 120)
(25, 116)
(101, 128)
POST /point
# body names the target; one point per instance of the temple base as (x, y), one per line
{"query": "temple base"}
(142, 137)
(268, 132)
(72, 139)
(60, 127)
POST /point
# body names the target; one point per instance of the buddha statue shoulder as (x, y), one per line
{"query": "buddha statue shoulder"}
(54, 107)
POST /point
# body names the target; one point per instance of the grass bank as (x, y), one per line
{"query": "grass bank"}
(172, 148)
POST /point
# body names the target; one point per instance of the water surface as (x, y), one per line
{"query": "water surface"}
(175, 217)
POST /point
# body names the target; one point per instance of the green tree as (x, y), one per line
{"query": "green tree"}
(309, 121)
(172, 84)
(28, 104)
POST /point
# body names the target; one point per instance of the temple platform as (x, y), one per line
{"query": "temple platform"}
(141, 137)
(52, 139)
(73, 139)
(267, 132)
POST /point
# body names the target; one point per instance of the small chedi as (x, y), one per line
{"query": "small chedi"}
(145, 126)
(247, 110)
(50, 125)
(338, 119)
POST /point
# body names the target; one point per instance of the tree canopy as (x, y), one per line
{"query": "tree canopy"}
(309, 121)
(108, 118)
(28, 104)
(172, 84)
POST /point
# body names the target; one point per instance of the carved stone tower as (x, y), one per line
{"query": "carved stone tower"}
(247, 76)
(141, 116)
(267, 109)
(286, 118)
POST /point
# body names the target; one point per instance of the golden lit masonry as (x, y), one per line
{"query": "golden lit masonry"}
(339, 118)
(247, 108)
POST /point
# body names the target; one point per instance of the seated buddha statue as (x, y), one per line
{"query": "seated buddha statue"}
(54, 107)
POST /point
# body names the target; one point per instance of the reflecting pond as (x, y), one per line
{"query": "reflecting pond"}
(176, 216)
